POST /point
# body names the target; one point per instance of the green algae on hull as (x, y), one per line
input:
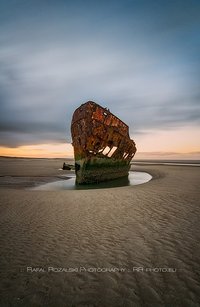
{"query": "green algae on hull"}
(95, 170)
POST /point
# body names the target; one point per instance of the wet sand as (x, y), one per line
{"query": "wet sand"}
(127, 246)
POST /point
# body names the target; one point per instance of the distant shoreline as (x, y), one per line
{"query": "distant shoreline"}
(134, 161)
(168, 162)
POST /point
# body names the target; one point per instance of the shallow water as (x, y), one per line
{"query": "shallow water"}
(68, 183)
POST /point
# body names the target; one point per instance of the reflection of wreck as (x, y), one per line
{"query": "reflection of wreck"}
(102, 146)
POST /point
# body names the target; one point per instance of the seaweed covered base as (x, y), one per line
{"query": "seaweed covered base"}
(96, 170)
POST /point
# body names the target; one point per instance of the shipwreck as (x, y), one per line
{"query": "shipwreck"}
(102, 147)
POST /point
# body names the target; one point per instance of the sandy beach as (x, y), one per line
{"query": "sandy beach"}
(127, 246)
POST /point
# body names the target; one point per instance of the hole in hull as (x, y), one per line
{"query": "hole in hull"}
(112, 151)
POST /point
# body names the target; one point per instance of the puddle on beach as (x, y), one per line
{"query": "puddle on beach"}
(134, 178)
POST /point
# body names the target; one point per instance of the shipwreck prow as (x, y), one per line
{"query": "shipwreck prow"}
(102, 146)
(105, 110)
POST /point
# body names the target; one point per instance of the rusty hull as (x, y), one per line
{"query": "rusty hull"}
(102, 146)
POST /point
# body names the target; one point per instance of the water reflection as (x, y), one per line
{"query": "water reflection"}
(134, 178)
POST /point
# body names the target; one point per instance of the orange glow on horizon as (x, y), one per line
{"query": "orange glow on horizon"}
(171, 144)
(59, 150)
(184, 140)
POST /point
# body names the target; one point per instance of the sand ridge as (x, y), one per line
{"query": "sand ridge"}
(149, 226)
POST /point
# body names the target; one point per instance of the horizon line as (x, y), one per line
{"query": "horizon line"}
(72, 158)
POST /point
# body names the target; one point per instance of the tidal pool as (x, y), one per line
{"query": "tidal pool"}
(134, 178)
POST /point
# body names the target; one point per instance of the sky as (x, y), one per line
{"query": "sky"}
(139, 58)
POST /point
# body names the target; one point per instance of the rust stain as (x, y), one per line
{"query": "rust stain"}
(96, 132)
(94, 128)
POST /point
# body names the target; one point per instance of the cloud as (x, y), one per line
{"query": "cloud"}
(123, 55)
